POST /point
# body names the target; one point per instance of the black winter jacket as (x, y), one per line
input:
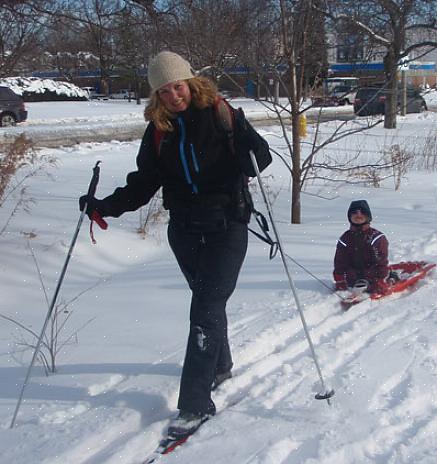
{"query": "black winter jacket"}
(195, 164)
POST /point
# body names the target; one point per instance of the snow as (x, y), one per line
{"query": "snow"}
(51, 124)
(117, 381)
(36, 85)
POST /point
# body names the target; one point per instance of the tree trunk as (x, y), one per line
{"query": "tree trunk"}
(138, 90)
(276, 98)
(296, 180)
(391, 102)
(296, 167)
(404, 93)
(290, 54)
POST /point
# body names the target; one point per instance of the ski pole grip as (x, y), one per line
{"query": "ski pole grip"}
(94, 180)
(99, 220)
(95, 216)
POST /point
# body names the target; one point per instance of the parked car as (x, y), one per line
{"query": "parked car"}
(343, 95)
(322, 101)
(12, 109)
(339, 95)
(371, 100)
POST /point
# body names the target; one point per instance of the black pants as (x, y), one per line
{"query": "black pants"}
(210, 258)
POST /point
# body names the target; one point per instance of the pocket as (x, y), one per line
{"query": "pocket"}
(242, 205)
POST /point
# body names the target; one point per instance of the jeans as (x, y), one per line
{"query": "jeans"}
(210, 255)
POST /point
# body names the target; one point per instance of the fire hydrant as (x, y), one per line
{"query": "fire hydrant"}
(302, 126)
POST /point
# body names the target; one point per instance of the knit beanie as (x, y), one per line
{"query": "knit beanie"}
(361, 205)
(167, 67)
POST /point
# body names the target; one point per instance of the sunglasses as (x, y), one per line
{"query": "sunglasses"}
(358, 211)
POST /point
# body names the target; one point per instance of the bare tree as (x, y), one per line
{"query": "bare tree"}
(160, 15)
(51, 345)
(310, 162)
(17, 5)
(66, 49)
(87, 27)
(133, 33)
(399, 27)
(207, 32)
(19, 36)
(297, 23)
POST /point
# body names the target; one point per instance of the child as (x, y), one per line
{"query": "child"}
(362, 252)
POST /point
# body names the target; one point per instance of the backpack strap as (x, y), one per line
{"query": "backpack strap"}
(158, 135)
(265, 236)
(226, 119)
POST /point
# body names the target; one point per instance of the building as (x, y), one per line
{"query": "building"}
(350, 55)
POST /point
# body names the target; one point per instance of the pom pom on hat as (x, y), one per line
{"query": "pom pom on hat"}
(167, 67)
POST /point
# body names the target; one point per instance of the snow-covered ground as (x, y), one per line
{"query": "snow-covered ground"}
(54, 124)
(117, 380)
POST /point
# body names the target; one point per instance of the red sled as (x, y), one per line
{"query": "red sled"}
(408, 272)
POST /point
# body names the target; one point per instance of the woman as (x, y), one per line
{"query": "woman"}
(186, 151)
(362, 252)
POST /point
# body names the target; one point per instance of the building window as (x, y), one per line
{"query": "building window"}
(350, 49)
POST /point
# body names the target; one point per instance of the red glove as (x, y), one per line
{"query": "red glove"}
(340, 282)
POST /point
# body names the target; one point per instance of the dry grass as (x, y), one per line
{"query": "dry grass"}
(18, 162)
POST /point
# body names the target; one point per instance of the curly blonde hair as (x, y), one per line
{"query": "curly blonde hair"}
(203, 94)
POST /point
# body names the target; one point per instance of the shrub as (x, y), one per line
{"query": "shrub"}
(18, 161)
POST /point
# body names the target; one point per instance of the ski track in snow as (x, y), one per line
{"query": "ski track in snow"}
(274, 374)
(279, 372)
(269, 394)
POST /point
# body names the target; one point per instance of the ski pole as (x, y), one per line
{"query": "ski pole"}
(325, 394)
(91, 192)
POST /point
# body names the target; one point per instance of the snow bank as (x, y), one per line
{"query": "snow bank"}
(36, 89)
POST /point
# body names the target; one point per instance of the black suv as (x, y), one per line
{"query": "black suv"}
(371, 100)
(12, 109)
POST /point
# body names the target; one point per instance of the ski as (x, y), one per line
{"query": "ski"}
(166, 446)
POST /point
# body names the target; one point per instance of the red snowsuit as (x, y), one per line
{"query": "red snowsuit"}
(362, 253)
